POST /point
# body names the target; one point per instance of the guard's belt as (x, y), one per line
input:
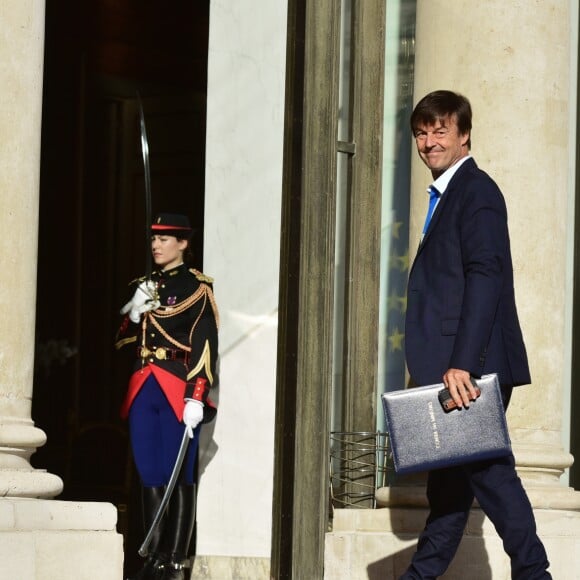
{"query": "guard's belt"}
(160, 353)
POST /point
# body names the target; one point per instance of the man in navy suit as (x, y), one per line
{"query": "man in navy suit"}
(462, 322)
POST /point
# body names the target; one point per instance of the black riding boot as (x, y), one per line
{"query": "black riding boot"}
(178, 530)
(151, 498)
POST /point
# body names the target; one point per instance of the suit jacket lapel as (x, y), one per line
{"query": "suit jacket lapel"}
(455, 180)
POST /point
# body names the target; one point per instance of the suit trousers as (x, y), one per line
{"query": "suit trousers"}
(499, 491)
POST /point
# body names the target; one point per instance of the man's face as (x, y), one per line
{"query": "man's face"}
(441, 145)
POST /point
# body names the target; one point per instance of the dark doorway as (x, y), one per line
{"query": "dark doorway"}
(99, 55)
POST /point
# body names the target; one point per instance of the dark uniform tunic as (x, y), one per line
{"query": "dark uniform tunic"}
(176, 347)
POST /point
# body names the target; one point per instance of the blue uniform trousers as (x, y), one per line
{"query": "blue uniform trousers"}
(156, 435)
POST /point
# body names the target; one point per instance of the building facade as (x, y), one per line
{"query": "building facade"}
(313, 204)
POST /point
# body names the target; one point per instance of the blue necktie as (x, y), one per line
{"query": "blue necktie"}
(434, 195)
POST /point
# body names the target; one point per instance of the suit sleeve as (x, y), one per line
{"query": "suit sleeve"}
(484, 242)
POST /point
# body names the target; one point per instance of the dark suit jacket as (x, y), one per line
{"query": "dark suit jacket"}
(461, 310)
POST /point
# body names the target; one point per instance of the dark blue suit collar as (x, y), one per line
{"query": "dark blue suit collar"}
(465, 167)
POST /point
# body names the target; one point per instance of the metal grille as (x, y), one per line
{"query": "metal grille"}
(359, 464)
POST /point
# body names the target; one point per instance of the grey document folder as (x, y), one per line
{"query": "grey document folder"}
(423, 436)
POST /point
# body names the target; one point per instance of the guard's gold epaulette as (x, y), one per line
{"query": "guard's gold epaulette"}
(200, 276)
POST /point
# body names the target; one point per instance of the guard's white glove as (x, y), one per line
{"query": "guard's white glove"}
(192, 415)
(144, 299)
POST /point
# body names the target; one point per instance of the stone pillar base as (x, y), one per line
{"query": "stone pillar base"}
(231, 568)
(379, 544)
(50, 540)
(33, 483)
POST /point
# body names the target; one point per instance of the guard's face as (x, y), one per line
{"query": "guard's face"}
(441, 145)
(167, 251)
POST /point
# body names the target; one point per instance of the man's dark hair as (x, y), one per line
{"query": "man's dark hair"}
(439, 105)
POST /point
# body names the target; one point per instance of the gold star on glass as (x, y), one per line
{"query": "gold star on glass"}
(401, 263)
(396, 302)
(396, 340)
(396, 229)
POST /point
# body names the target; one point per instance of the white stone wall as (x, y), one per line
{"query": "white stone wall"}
(245, 121)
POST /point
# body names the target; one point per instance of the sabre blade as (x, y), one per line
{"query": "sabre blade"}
(147, 177)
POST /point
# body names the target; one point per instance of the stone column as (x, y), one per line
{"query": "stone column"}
(39, 538)
(21, 50)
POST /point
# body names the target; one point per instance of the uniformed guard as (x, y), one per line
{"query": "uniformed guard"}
(172, 323)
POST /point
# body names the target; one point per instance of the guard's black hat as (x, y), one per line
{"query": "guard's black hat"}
(172, 224)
